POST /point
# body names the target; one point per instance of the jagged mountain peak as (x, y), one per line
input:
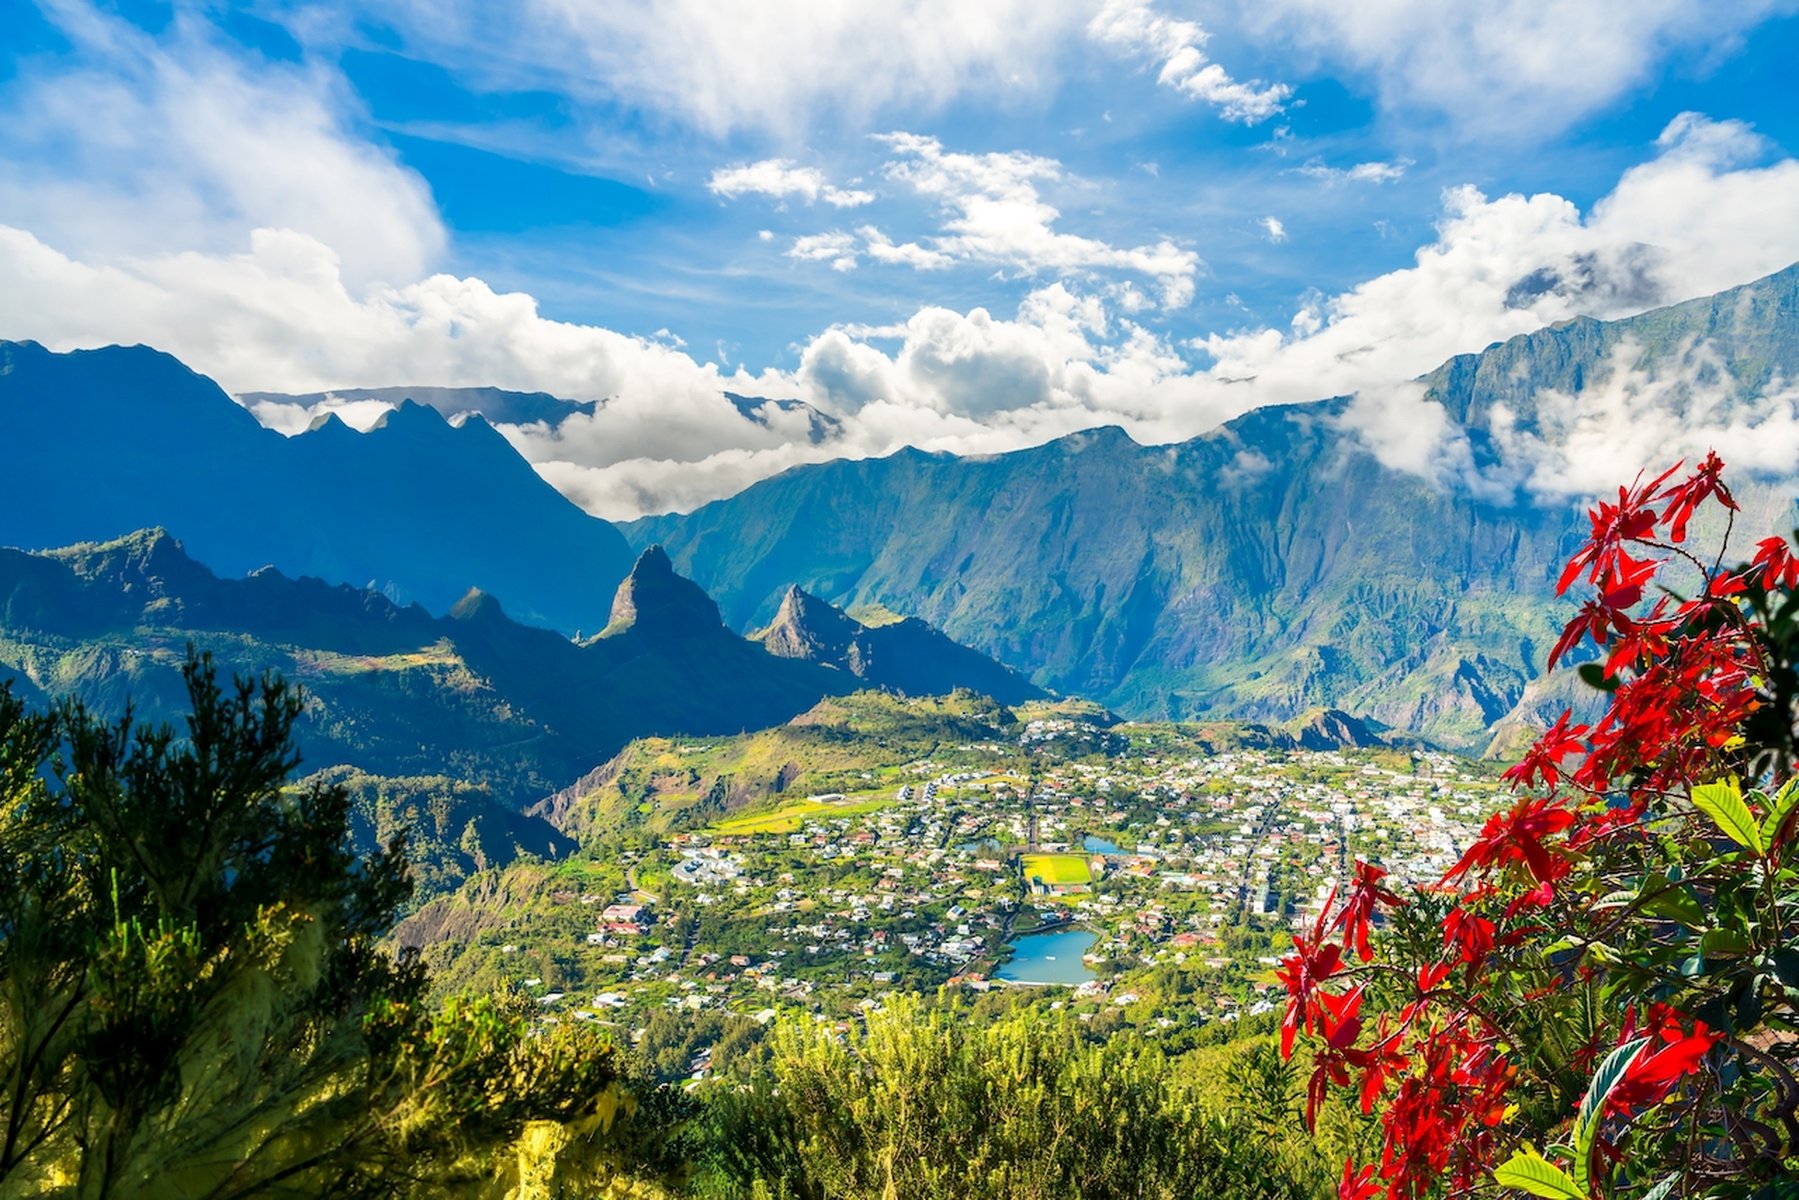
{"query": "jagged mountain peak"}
(809, 628)
(654, 599)
(477, 605)
(409, 414)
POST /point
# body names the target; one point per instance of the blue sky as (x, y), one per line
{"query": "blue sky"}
(962, 231)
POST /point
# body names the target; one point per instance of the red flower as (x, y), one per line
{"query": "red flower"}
(1379, 1063)
(1472, 936)
(1778, 566)
(1365, 892)
(1630, 520)
(1516, 836)
(1312, 962)
(1543, 760)
(1358, 1185)
(1671, 1057)
(1683, 498)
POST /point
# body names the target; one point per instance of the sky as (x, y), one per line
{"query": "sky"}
(960, 227)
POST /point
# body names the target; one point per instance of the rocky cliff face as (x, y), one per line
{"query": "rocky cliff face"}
(904, 655)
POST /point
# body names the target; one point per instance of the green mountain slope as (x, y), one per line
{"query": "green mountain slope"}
(1266, 568)
(509, 708)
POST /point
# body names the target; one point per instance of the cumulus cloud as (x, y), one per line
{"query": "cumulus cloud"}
(1711, 207)
(837, 248)
(1709, 210)
(1272, 229)
(1640, 411)
(781, 178)
(993, 213)
(1177, 49)
(135, 144)
(1508, 67)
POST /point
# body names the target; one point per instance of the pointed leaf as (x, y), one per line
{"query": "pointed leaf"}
(1530, 1172)
(1723, 803)
(1592, 1106)
(1662, 1190)
(1673, 902)
(1779, 808)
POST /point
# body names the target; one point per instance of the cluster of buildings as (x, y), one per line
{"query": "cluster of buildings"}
(1197, 861)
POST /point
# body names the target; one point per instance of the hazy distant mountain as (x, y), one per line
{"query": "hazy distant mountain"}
(497, 405)
(103, 442)
(905, 655)
(820, 426)
(1264, 569)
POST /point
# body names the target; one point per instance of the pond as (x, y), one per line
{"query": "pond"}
(1094, 844)
(1049, 958)
(980, 846)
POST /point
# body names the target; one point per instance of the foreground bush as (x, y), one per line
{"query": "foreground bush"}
(924, 1105)
(1601, 998)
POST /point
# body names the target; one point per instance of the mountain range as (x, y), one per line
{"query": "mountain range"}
(397, 692)
(1298, 557)
(127, 438)
(1276, 563)
(496, 405)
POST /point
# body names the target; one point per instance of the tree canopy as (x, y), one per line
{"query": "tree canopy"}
(195, 1000)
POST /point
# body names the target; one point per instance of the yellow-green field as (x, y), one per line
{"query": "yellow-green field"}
(1057, 868)
(789, 817)
(326, 662)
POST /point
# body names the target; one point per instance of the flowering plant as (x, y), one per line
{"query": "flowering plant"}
(1600, 998)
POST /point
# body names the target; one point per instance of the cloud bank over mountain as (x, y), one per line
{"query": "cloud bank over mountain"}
(243, 213)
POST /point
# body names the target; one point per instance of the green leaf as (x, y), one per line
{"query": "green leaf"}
(1723, 802)
(1723, 943)
(1593, 675)
(1592, 1106)
(1675, 903)
(1779, 808)
(1662, 1190)
(1529, 1171)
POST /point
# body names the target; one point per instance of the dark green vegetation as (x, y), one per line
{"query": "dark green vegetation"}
(197, 999)
(126, 438)
(194, 1001)
(1265, 568)
(943, 1104)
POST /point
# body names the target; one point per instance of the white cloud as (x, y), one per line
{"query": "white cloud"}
(1509, 68)
(1177, 48)
(837, 248)
(880, 247)
(1636, 414)
(779, 67)
(1695, 219)
(780, 178)
(137, 144)
(1708, 210)
(994, 213)
(1362, 172)
(1273, 230)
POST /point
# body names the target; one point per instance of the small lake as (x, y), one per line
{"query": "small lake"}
(1094, 844)
(1049, 958)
